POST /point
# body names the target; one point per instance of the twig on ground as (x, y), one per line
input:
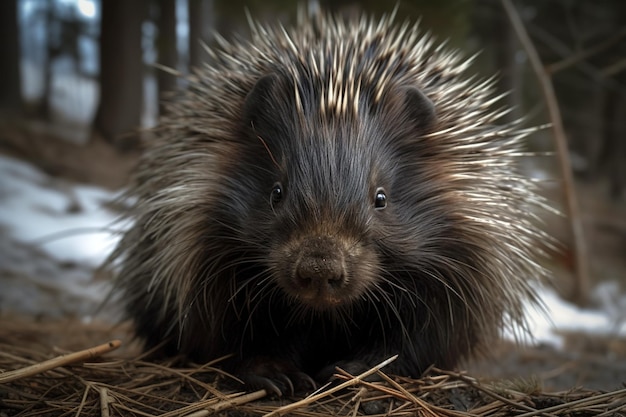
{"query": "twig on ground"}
(104, 402)
(59, 361)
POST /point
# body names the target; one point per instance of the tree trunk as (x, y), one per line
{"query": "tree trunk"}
(168, 53)
(44, 107)
(10, 81)
(121, 71)
(201, 23)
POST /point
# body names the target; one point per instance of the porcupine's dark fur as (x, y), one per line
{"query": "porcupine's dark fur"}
(336, 193)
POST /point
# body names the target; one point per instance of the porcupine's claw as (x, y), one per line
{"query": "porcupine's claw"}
(254, 382)
(277, 378)
(305, 381)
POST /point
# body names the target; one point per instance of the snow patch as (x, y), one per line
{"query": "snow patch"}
(67, 221)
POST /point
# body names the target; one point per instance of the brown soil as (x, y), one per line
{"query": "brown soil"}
(96, 162)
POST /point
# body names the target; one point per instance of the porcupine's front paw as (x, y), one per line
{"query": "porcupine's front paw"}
(353, 367)
(275, 376)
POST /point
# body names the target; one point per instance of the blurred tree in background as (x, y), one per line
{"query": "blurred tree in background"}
(201, 24)
(166, 47)
(10, 77)
(121, 68)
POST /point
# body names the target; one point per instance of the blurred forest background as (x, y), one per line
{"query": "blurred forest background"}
(78, 81)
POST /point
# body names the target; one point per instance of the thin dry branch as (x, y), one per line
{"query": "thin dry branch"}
(59, 361)
(585, 67)
(616, 68)
(428, 409)
(585, 54)
(104, 402)
(230, 403)
(581, 287)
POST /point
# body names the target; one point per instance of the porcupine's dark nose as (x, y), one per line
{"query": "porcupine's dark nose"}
(320, 271)
(317, 271)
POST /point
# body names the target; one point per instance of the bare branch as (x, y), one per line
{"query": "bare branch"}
(59, 361)
(581, 272)
(585, 54)
(615, 69)
(584, 66)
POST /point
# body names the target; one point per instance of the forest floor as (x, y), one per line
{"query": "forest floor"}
(595, 362)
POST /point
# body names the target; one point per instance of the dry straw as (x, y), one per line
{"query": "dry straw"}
(85, 383)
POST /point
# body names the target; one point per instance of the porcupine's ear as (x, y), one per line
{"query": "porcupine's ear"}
(265, 104)
(412, 106)
(420, 108)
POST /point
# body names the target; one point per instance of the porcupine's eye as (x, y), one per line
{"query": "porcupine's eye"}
(276, 195)
(380, 200)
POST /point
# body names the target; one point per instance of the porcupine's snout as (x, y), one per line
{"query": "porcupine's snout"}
(319, 272)
(322, 273)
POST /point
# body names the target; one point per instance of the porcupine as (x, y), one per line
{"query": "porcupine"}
(331, 194)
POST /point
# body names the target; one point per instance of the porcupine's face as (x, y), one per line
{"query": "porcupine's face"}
(330, 206)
